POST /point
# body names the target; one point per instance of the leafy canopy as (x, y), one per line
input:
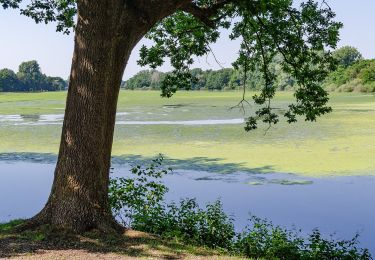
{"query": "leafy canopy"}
(304, 36)
(60, 11)
(347, 56)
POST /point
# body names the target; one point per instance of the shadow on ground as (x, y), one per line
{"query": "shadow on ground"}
(49, 243)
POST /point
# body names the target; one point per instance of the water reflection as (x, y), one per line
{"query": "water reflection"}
(30, 118)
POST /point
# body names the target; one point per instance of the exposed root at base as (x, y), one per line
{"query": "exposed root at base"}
(106, 226)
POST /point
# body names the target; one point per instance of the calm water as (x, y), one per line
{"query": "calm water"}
(343, 205)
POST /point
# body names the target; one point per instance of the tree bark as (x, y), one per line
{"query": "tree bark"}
(103, 43)
(106, 33)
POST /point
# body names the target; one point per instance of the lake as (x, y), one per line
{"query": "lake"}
(310, 175)
(340, 143)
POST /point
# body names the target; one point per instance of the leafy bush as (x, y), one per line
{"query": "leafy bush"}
(263, 239)
(188, 222)
(367, 75)
(358, 77)
(139, 203)
(132, 198)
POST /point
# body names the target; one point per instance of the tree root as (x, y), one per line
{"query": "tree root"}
(106, 225)
(29, 224)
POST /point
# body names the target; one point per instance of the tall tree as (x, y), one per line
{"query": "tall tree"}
(30, 74)
(105, 35)
(9, 81)
(29, 78)
(347, 56)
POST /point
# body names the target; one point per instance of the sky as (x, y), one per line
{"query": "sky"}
(22, 40)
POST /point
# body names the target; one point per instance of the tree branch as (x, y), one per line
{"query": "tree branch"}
(205, 13)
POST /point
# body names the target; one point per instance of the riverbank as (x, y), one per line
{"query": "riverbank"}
(46, 243)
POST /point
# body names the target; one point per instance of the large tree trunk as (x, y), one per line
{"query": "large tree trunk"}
(106, 33)
(103, 43)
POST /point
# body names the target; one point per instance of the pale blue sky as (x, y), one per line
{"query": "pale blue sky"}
(22, 40)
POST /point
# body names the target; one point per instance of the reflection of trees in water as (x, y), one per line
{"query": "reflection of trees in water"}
(32, 118)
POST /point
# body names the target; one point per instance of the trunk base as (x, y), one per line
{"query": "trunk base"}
(104, 223)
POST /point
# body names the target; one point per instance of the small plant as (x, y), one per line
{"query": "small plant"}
(262, 239)
(130, 198)
(5, 227)
(319, 248)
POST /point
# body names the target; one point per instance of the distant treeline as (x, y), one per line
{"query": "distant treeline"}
(353, 74)
(29, 78)
(223, 79)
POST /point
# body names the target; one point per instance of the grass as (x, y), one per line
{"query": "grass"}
(48, 243)
(341, 143)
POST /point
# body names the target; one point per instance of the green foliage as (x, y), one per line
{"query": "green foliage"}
(60, 11)
(10, 3)
(301, 36)
(347, 56)
(357, 77)
(187, 221)
(367, 75)
(141, 200)
(133, 198)
(264, 239)
(29, 78)
(30, 74)
(139, 203)
(145, 79)
(9, 81)
(223, 79)
(217, 80)
(10, 225)
(179, 37)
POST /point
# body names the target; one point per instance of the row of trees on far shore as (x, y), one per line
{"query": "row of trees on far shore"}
(353, 74)
(29, 78)
(223, 79)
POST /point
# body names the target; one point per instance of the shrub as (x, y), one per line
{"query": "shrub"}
(359, 77)
(188, 222)
(263, 239)
(367, 75)
(131, 198)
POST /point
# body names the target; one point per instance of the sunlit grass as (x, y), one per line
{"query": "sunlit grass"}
(341, 143)
(55, 243)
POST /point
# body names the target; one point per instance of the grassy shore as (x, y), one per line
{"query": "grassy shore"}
(341, 143)
(47, 243)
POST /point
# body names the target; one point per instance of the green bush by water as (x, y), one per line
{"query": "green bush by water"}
(139, 203)
(358, 77)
